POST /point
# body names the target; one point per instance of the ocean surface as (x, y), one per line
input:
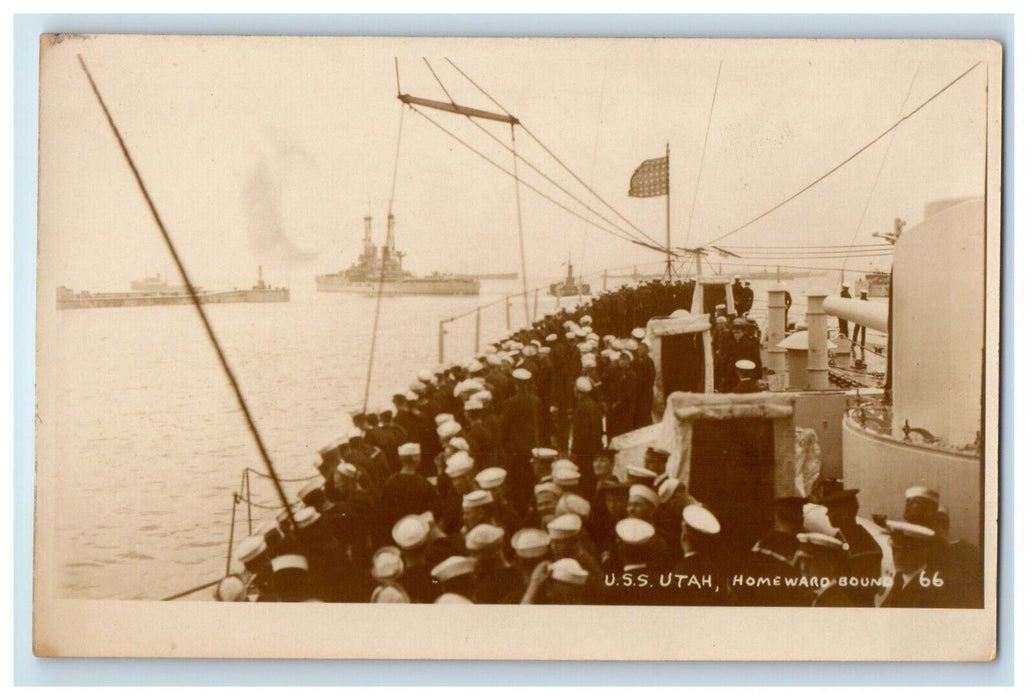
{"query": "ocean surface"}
(154, 443)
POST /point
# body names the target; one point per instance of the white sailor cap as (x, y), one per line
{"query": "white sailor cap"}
(443, 418)
(566, 477)
(290, 561)
(283, 515)
(418, 387)
(458, 464)
(563, 465)
(639, 333)
(592, 337)
(493, 360)
(821, 541)
(409, 449)
(581, 332)
(530, 543)
(387, 564)
(483, 395)
(410, 532)
(521, 374)
(564, 526)
(568, 571)
(551, 338)
(474, 366)
(584, 384)
(451, 567)
(908, 533)
(529, 350)
(639, 472)
(569, 335)
(573, 503)
(473, 404)
(425, 375)
(483, 537)
(460, 444)
(923, 492)
(477, 499)
(230, 590)
(630, 344)
(589, 360)
(548, 487)
(544, 453)
(410, 396)
(250, 548)
(491, 477)
(639, 492)
(746, 365)
(389, 593)
(452, 599)
(311, 486)
(448, 429)
(701, 519)
(347, 469)
(306, 517)
(586, 320)
(634, 531)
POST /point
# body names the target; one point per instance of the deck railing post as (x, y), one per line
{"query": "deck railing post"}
(441, 341)
(535, 305)
(477, 328)
(507, 302)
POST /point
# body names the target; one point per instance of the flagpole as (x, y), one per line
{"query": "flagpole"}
(668, 232)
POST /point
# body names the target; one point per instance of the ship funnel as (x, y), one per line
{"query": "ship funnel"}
(390, 242)
(367, 223)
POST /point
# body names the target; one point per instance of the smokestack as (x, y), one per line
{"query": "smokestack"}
(817, 323)
(391, 234)
(775, 333)
(367, 221)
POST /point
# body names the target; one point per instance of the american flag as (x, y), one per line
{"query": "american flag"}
(650, 179)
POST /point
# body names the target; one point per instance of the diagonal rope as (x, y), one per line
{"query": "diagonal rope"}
(554, 156)
(847, 160)
(521, 233)
(532, 187)
(252, 428)
(704, 150)
(884, 159)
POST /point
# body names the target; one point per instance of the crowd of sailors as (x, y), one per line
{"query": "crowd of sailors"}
(491, 482)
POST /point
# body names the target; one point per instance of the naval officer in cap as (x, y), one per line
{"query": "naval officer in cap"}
(914, 584)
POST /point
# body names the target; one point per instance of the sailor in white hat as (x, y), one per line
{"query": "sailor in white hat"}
(643, 502)
(914, 584)
(231, 590)
(291, 581)
(546, 496)
(746, 372)
(460, 470)
(387, 564)
(477, 509)
(562, 582)
(455, 575)
(390, 593)
(495, 580)
(921, 506)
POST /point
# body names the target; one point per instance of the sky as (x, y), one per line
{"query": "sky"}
(270, 150)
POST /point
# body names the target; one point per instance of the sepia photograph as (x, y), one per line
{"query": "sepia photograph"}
(688, 335)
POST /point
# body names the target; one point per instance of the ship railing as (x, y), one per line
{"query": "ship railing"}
(496, 319)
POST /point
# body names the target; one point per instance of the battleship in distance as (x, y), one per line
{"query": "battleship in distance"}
(155, 291)
(381, 272)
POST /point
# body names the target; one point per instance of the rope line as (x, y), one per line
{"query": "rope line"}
(558, 160)
(252, 428)
(704, 150)
(532, 187)
(521, 232)
(844, 162)
(884, 159)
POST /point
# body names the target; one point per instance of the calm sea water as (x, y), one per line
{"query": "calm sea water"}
(156, 443)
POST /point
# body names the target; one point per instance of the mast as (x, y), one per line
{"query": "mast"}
(668, 231)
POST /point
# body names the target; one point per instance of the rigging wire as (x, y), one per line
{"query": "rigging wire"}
(884, 159)
(554, 156)
(704, 150)
(384, 261)
(596, 144)
(252, 428)
(844, 162)
(521, 233)
(551, 180)
(532, 187)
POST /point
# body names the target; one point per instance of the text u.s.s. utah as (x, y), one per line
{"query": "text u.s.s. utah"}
(664, 580)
